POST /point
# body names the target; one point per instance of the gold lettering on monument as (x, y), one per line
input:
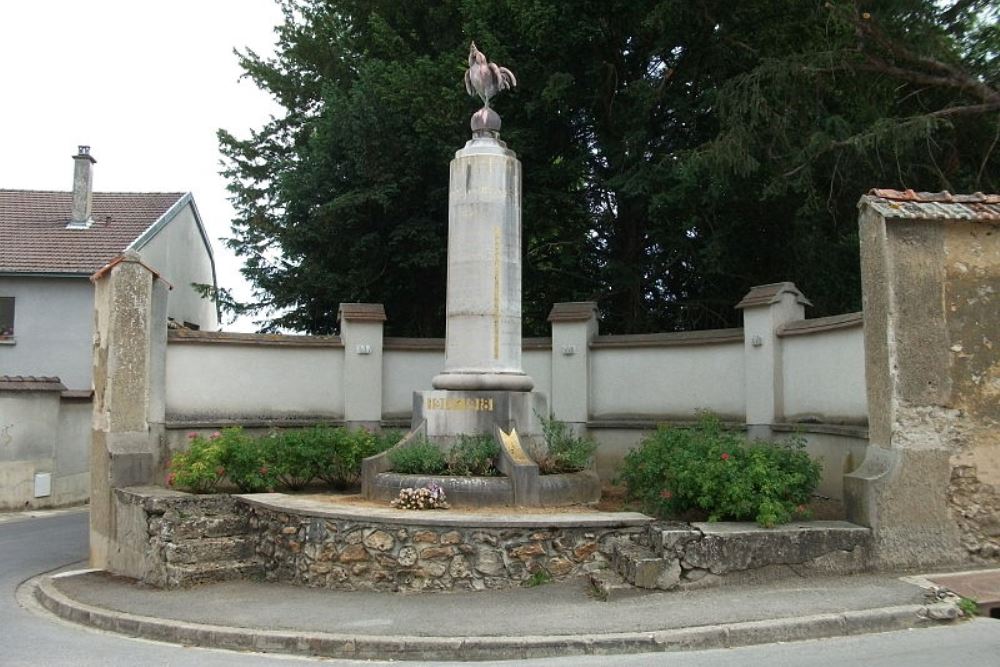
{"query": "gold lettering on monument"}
(470, 404)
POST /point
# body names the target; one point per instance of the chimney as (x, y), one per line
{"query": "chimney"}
(83, 193)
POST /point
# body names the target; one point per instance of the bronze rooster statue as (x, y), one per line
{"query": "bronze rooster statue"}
(486, 79)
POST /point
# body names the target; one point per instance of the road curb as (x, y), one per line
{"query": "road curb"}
(379, 647)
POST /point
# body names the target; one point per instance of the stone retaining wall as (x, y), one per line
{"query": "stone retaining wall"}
(169, 538)
(178, 539)
(361, 555)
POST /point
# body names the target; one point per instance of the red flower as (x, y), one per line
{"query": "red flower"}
(192, 435)
(215, 436)
(665, 493)
(220, 471)
(170, 479)
(725, 456)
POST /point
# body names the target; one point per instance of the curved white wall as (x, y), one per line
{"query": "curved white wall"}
(672, 381)
(823, 376)
(404, 372)
(233, 381)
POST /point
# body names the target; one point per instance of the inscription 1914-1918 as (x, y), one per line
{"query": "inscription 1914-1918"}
(471, 404)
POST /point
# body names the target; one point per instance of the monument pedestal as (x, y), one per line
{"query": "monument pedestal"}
(449, 414)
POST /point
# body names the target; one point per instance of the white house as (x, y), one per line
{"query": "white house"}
(51, 243)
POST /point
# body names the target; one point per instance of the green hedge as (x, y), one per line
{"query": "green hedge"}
(707, 468)
(288, 459)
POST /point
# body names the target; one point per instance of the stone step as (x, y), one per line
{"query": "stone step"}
(203, 573)
(209, 550)
(610, 587)
(225, 524)
(641, 567)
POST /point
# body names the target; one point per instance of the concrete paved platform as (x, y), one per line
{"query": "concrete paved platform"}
(548, 620)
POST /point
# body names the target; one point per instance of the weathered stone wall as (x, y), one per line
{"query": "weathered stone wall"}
(972, 322)
(169, 538)
(177, 539)
(930, 484)
(363, 555)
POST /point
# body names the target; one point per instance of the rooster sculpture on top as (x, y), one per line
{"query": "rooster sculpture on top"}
(484, 78)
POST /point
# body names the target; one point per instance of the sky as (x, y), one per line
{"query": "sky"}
(146, 84)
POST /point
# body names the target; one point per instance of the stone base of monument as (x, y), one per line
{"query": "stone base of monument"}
(513, 419)
(449, 414)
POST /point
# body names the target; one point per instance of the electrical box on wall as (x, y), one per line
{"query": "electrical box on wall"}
(43, 484)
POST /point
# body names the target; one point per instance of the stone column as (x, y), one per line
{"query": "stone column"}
(765, 308)
(129, 349)
(361, 327)
(930, 270)
(574, 325)
(483, 329)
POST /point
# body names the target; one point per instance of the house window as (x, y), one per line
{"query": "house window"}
(6, 316)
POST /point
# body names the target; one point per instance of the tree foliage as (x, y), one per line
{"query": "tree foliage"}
(675, 152)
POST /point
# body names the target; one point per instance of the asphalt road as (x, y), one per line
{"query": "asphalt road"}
(30, 546)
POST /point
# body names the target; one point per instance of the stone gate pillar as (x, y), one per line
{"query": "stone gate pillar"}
(929, 486)
(130, 338)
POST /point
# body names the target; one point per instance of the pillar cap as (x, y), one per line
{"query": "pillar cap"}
(573, 311)
(361, 312)
(765, 295)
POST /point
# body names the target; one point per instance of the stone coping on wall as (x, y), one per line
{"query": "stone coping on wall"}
(397, 344)
(605, 423)
(175, 423)
(821, 324)
(512, 518)
(846, 430)
(185, 336)
(30, 383)
(670, 339)
(648, 424)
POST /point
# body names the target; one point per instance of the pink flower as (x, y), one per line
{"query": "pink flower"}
(215, 436)
(170, 479)
(725, 456)
(192, 435)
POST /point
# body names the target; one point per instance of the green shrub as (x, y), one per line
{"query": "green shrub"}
(473, 455)
(341, 464)
(249, 461)
(564, 452)
(383, 440)
(201, 467)
(420, 458)
(296, 455)
(680, 469)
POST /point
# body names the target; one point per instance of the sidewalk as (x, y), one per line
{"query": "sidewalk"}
(552, 619)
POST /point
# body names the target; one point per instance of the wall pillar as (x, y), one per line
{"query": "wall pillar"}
(574, 326)
(361, 327)
(765, 308)
(129, 361)
(929, 486)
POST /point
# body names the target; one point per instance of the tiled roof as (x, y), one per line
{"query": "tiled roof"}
(933, 205)
(34, 238)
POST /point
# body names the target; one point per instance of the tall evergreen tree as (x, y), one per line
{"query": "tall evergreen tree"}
(675, 152)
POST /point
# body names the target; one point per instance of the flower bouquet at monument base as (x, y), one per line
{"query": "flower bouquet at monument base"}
(430, 497)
